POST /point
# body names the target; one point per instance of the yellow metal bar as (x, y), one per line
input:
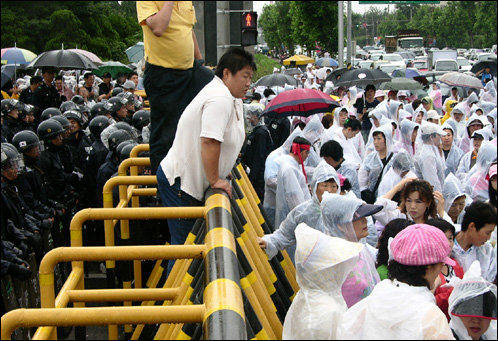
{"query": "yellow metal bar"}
(140, 148)
(99, 316)
(132, 161)
(113, 295)
(143, 192)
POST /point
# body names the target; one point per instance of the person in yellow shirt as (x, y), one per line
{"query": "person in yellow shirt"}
(173, 71)
(448, 107)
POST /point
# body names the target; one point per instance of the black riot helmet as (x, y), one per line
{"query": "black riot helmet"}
(123, 150)
(74, 115)
(25, 140)
(69, 105)
(117, 137)
(63, 121)
(125, 126)
(98, 109)
(9, 105)
(78, 100)
(116, 91)
(49, 129)
(140, 119)
(114, 104)
(10, 157)
(49, 113)
(97, 125)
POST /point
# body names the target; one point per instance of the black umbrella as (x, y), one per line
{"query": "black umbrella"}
(62, 59)
(276, 80)
(482, 64)
(362, 77)
(336, 73)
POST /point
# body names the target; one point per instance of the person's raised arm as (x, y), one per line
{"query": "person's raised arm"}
(159, 22)
(399, 187)
(210, 153)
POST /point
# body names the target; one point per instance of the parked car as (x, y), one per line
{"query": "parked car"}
(463, 64)
(484, 56)
(366, 64)
(461, 52)
(388, 67)
(394, 59)
(421, 64)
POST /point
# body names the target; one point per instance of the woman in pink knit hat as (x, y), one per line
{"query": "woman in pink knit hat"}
(402, 307)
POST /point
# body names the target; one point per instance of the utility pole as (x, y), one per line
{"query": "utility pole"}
(349, 29)
(340, 43)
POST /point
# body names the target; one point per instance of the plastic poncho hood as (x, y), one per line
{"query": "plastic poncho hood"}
(407, 127)
(387, 131)
(337, 215)
(452, 189)
(323, 172)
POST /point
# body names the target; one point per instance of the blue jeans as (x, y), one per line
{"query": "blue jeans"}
(173, 196)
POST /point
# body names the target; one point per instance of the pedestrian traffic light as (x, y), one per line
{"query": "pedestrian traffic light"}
(249, 26)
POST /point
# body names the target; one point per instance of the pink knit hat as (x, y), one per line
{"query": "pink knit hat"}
(421, 244)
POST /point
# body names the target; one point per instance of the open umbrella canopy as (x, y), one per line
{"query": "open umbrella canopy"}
(399, 83)
(299, 59)
(136, 52)
(460, 79)
(407, 73)
(300, 102)
(112, 67)
(92, 56)
(482, 64)
(362, 77)
(326, 62)
(336, 73)
(62, 59)
(16, 55)
(293, 71)
(276, 79)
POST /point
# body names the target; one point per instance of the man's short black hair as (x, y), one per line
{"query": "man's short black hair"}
(256, 96)
(480, 213)
(268, 92)
(87, 75)
(38, 79)
(332, 149)
(370, 87)
(235, 60)
(353, 123)
(131, 74)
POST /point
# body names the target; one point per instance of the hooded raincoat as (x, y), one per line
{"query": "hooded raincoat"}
(453, 189)
(405, 142)
(465, 143)
(476, 185)
(308, 212)
(322, 265)
(402, 164)
(471, 286)
(337, 217)
(452, 159)
(429, 164)
(371, 167)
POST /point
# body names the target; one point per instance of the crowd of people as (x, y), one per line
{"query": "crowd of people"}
(57, 155)
(414, 187)
(396, 197)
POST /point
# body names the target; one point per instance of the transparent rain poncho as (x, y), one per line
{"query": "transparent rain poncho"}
(393, 110)
(465, 143)
(461, 126)
(308, 212)
(404, 115)
(372, 165)
(429, 164)
(312, 132)
(271, 172)
(322, 265)
(453, 189)
(489, 93)
(402, 164)
(473, 98)
(337, 217)
(476, 185)
(406, 128)
(472, 296)
(418, 110)
(455, 154)
(487, 107)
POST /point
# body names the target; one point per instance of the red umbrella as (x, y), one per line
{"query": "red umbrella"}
(300, 102)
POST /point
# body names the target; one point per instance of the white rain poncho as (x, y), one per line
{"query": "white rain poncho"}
(465, 142)
(485, 254)
(489, 94)
(395, 311)
(271, 172)
(404, 115)
(379, 113)
(322, 264)
(337, 217)
(312, 132)
(429, 164)
(455, 154)
(473, 98)
(476, 185)
(372, 165)
(402, 164)
(416, 112)
(348, 170)
(487, 107)
(292, 188)
(465, 299)
(393, 110)
(405, 142)
(453, 189)
(308, 212)
(461, 126)
(349, 149)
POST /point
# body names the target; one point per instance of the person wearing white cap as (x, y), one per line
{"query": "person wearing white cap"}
(429, 164)
(469, 159)
(433, 117)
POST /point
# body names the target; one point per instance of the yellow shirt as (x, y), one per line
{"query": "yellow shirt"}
(175, 48)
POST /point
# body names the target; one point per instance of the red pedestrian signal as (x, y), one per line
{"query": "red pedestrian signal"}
(249, 27)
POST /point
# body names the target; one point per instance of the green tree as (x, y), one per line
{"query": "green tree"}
(59, 34)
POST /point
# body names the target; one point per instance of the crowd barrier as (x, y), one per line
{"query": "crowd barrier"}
(222, 285)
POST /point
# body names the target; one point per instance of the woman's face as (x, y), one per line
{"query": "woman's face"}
(419, 118)
(415, 206)
(451, 239)
(432, 273)
(376, 122)
(426, 106)
(361, 228)
(414, 135)
(476, 326)
(457, 116)
(493, 181)
(327, 186)
(343, 116)
(447, 139)
(477, 142)
(476, 125)
(457, 207)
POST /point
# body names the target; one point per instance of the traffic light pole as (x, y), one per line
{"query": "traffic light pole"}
(341, 34)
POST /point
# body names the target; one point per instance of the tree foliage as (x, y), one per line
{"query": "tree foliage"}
(105, 28)
(462, 24)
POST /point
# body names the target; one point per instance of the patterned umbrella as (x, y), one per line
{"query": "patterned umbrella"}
(16, 55)
(300, 102)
